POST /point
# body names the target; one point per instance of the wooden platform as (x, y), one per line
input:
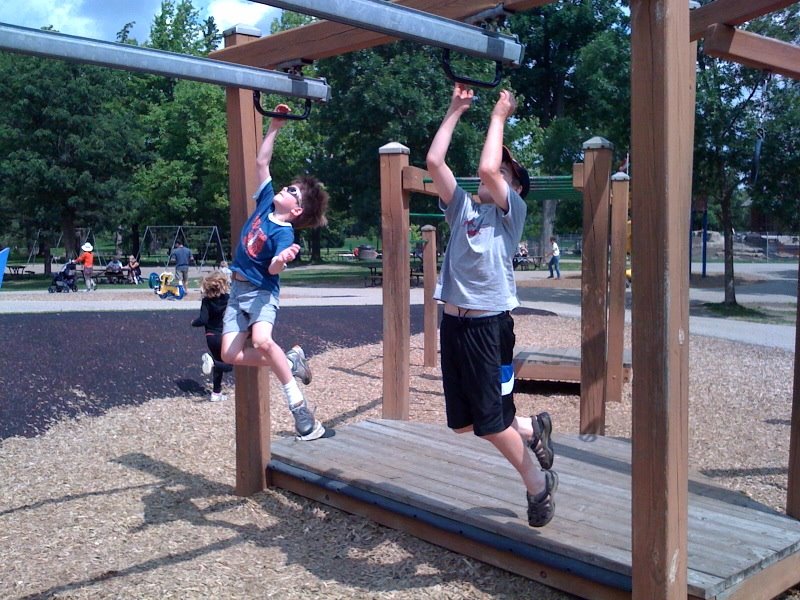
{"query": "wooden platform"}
(457, 491)
(557, 364)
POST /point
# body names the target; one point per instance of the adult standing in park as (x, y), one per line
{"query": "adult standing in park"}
(555, 257)
(183, 257)
(86, 258)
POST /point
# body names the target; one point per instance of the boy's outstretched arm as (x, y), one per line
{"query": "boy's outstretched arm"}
(264, 156)
(492, 153)
(442, 176)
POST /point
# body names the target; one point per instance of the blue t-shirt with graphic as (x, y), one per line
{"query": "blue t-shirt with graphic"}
(261, 239)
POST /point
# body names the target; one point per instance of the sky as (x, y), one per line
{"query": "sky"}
(102, 19)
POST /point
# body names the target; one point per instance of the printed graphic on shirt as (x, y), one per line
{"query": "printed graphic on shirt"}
(255, 239)
(474, 225)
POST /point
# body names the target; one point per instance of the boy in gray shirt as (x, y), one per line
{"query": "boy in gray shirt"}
(478, 290)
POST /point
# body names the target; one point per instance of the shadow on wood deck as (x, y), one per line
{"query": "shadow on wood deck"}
(458, 492)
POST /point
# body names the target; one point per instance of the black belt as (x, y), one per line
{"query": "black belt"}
(239, 277)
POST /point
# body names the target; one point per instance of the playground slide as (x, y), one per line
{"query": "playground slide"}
(3, 260)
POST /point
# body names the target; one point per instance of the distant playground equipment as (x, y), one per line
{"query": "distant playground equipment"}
(163, 288)
(160, 240)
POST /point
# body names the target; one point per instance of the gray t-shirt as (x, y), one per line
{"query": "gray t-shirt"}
(477, 272)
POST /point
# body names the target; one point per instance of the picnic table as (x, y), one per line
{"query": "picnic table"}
(120, 276)
(18, 271)
(523, 263)
(375, 276)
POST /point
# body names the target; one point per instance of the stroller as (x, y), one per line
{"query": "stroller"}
(64, 280)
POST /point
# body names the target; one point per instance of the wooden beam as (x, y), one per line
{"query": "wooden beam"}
(752, 50)
(431, 308)
(662, 109)
(396, 282)
(594, 284)
(615, 362)
(252, 384)
(731, 12)
(793, 489)
(414, 181)
(324, 39)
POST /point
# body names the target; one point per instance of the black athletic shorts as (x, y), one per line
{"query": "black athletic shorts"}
(473, 351)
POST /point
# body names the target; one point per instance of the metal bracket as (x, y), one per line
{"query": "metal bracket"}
(489, 18)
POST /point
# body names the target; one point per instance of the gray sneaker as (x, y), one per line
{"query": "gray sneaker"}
(307, 427)
(300, 368)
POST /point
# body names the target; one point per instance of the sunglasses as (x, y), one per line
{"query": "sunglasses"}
(294, 191)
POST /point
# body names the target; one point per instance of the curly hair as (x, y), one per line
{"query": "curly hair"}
(315, 203)
(215, 285)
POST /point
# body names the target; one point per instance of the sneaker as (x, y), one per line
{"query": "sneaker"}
(215, 397)
(540, 443)
(307, 427)
(541, 508)
(300, 368)
(208, 363)
(550, 277)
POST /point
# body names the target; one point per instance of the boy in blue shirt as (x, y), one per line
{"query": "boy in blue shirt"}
(478, 290)
(265, 247)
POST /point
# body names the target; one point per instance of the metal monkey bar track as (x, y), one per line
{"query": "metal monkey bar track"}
(50, 44)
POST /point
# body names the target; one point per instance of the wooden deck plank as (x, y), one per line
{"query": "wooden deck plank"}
(589, 517)
(557, 364)
(464, 478)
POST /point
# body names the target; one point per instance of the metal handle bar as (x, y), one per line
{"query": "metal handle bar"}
(281, 115)
(498, 73)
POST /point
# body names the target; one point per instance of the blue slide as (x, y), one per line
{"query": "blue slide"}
(3, 260)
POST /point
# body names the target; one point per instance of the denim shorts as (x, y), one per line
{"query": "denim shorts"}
(247, 305)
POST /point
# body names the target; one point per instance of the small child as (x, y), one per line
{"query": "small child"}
(265, 247)
(214, 288)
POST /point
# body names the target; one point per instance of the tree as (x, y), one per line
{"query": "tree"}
(69, 141)
(731, 107)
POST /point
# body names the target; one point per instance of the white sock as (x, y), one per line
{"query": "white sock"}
(294, 396)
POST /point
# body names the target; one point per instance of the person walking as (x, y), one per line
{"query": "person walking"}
(554, 255)
(477, 287)
(183, 257)
(86, 258)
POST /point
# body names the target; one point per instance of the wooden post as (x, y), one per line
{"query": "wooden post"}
(431, 312)
(252, 384)
(396, 282)
(594, 284)
(616, 288)
(662, 109)
(793, 493)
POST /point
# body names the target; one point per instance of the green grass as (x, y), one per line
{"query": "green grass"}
(744, 313)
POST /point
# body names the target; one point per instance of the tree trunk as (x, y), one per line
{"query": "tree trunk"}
(727, 229)
(135, 240)
(315, 241)
(69, 236)
(548, 220)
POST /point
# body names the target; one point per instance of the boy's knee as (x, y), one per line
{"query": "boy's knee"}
(263, 345)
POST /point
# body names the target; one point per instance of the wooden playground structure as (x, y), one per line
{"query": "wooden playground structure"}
(670, 536)
(631, 521)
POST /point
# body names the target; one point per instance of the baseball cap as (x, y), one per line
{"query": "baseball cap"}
(520, 172)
